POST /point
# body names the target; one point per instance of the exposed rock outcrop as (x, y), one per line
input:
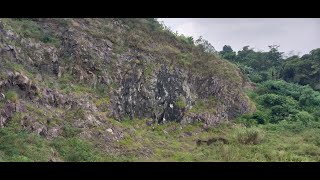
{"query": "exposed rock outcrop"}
(143, 73)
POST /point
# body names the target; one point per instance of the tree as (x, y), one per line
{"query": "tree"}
(274, 56)
(227, 48)
(304, 70)
(227, 53)
(205, 46)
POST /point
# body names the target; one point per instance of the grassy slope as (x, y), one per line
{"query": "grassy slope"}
(281, 142)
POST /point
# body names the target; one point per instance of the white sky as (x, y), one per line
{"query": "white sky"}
(298, 35)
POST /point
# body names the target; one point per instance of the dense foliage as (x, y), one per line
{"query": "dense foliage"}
(286, 87)
(262, 66)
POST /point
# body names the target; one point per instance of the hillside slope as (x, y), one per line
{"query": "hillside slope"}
(79, 77)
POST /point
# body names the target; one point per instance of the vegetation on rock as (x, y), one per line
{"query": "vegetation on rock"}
(125, 89)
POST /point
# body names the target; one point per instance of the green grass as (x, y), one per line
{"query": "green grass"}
(271, 142)
(31, 29)
(169, 142)
(22, 146)
(69, 131)
(38, 111)
(12, 96)
(204, 105)
(79, 150)
(259, 143)
(74, 149)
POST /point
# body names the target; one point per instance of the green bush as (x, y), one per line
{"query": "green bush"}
(279, 106)
(278, 113)
(258, 117)
(246, 120)
(309, 97)
(283, 88)
(270, 100)
(257, 78)
(282, 100)
(304, 94)
(304, 117)
(316, 114)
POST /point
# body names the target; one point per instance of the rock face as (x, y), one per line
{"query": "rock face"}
(155, 98)
(143, 72)
(159, 97)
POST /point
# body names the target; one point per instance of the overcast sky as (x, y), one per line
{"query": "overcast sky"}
(298, 35)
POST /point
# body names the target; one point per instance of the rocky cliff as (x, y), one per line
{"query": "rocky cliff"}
(86, 71)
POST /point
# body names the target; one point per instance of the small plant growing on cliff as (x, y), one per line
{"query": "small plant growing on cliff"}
(11, 96)
(180, 103)
(148, 71)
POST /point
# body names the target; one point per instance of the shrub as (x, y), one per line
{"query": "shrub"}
(278, 113)
(309, 97)
(249, 135)
(255, 77)
(283, 88)
(304, 117)
(260, 117)
(304, 94)
(247, 121)
(316, 114)
(270, 100)
(280, 106)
